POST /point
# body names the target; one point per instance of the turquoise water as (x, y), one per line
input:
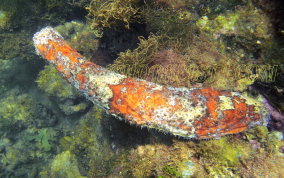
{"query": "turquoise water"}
(49, 129)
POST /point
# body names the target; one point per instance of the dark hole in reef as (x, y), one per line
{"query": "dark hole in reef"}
(77, 13)
(116, 40)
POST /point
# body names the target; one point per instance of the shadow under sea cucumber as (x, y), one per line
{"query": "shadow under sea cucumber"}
(189, 113)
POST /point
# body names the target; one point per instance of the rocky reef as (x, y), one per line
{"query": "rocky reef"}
(49, 129)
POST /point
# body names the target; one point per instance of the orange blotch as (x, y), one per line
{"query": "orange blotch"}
(65, 49)
(59, 67)
(184, 127)
(212, 102)
(222, 122)
(73, 59)
(138, 102)
(87, 64)
(81, 77)
(49, 54)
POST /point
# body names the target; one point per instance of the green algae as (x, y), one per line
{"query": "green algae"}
(240, 32)
(16, 111)
(134, 63)
(15, 45)
(176, 25)
(223, 151)
(4, 19)
(81, 37)
(43, 137)
(269, 141)
(18, 152)
(197, 58)
(72, 108)
(89, 145)
(228, 156)
(65, 165)
(52, 83)
(18, 21)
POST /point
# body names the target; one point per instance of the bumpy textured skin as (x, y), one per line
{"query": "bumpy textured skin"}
(190, 113)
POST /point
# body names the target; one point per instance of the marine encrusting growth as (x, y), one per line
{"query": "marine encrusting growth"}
(190, 113)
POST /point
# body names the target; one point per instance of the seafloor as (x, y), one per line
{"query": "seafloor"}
(49, 129)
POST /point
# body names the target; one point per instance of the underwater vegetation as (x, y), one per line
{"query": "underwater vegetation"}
(4, 19)
(15, 111)
(196, 113)
(48, 129)
(108, 13)
(52, 84)
(227, 158)
(13, 45)
(17, 22)
(81, 37)
(65, 165)
(67, 98)
(200, 63)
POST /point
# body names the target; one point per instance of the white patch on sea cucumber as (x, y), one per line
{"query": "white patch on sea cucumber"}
(226, 103)
(101, 81)
(42, 37)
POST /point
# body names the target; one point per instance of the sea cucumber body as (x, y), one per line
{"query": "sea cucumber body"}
(190, 113)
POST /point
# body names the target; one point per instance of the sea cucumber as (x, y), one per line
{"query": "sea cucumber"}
(189, 113)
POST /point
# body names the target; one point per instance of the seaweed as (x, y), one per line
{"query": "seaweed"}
(50, 81)
(65, 165)
(110, 13)
(81, 37)
(43, 138)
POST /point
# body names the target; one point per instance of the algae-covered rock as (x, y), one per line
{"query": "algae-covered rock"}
(69, 107)
(81, 37)
(20, 154)
(65, 165)
(15, 45)
(4, 19)
(268, 141)
(224, 152)
(50, 81)
(43, 138)
(69, 100)
(90, 145)
(245, 32)
(16, 111)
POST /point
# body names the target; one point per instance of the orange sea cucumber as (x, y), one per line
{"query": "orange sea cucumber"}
(190, 113)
